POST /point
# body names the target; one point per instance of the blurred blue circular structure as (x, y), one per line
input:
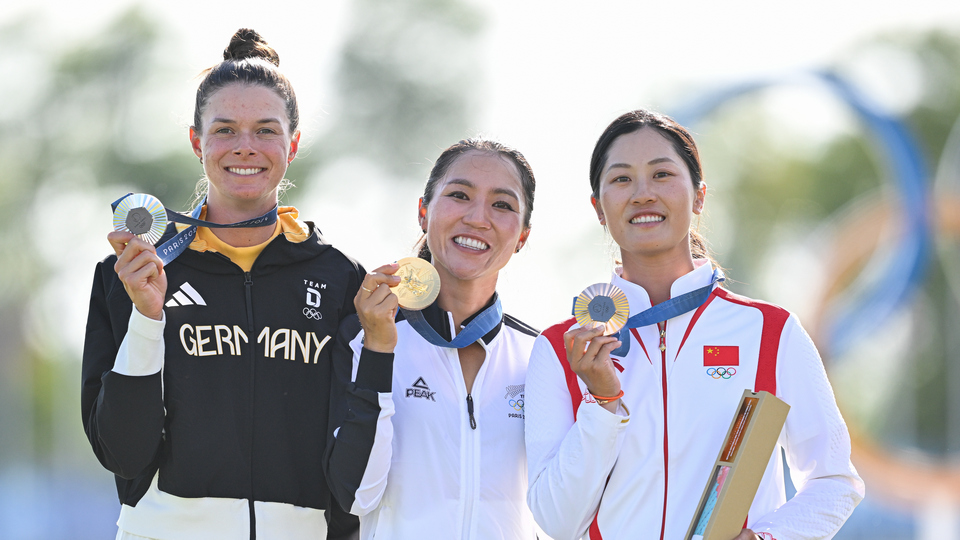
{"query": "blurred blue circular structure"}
(877, 296)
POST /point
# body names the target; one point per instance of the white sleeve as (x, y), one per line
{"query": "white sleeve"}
(817, 446)
(568, 462)
(142, 349)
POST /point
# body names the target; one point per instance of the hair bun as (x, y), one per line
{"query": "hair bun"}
(247, 43)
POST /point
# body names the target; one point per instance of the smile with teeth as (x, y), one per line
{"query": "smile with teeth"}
(470, 243)
(246, 171)
(647, 219)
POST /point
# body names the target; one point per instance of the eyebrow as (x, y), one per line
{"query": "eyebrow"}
(229, 121)
(651, 162)
(469, 184)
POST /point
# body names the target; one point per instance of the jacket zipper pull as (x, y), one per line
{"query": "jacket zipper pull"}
(663, 338)
(473, 421)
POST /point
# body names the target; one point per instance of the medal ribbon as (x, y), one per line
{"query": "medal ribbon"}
(482, 324)
(173, 247)
(666, 310)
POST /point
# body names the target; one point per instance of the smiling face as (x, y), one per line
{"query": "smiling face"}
(647, 199)
(245, 145)
(474, 221)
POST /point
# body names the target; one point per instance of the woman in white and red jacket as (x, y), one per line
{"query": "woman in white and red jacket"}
(621, 446)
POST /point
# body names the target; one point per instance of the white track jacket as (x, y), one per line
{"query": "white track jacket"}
(641, 473)
(416, 456)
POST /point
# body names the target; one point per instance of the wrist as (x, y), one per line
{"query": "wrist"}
(603, 400)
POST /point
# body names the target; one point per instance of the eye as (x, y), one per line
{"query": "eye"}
(620, 179)
(504, 205)
(223, 131)
(267, 131)
(458, 195)
(662, 174)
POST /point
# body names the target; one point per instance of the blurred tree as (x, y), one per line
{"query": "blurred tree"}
(407, 83)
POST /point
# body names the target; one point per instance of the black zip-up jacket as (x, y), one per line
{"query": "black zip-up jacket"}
(240, 409)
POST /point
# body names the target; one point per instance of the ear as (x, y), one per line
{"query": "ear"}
(599, 210)
(523, 239)
(422, 215)
(294, 146)
(700, 198)
(195, 142)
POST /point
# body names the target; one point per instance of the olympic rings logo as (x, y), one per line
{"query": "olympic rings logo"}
(517, 404)
(311, 313)
(722, 372)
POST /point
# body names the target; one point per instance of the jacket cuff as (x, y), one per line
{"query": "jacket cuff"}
(375, 371)
(142, 349)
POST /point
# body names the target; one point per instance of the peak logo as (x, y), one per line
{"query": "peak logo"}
(421, 390)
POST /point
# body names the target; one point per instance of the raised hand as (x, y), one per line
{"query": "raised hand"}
(588, 352)
(141, 272)
(377, 308)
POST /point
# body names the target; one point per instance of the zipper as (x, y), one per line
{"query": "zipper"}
(666, 446)
(473, 421)
(248, 291)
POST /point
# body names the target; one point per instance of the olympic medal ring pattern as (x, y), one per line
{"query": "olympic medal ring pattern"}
(721, 372)
(142, 215)
(517, 404)
(602, 304)
(311, 313)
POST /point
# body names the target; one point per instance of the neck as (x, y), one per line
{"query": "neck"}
(464, 298)
(244, 236)
(656, 274)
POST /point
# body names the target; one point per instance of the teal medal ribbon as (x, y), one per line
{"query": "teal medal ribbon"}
(481, 325)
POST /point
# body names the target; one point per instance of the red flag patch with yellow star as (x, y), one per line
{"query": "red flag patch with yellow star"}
(721, 355)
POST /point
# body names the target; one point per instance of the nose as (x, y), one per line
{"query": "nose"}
(244, 145)
(476, 216)
(643, 191)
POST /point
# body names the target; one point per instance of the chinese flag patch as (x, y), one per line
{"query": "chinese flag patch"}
(721, 355)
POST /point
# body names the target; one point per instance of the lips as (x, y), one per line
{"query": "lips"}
(471, 243)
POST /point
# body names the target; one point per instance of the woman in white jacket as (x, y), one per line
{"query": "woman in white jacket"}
(620, 442)
(430, 438)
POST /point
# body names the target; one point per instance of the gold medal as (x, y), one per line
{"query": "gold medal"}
(419, 283)
(142, 215)
(602, 304)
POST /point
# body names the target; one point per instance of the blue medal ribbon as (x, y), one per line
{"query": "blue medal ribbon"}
(487, 320)
(173, 247)
(664, 311)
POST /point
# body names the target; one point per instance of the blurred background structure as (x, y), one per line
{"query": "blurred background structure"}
(806, 204)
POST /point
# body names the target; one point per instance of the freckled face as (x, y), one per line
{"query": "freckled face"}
(647, 199)
(246, 145)
(475, 221)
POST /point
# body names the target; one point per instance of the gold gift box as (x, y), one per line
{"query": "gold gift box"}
(739, 468)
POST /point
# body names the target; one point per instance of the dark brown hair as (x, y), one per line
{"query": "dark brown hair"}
(484, 146)
(247, 60)
(678, 136)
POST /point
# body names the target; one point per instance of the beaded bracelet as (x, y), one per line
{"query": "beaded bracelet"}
(605, 400)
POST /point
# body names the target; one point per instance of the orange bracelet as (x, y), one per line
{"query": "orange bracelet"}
(605, 400)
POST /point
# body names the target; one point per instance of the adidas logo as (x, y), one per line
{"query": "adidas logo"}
(421, 390)
(186, 296)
